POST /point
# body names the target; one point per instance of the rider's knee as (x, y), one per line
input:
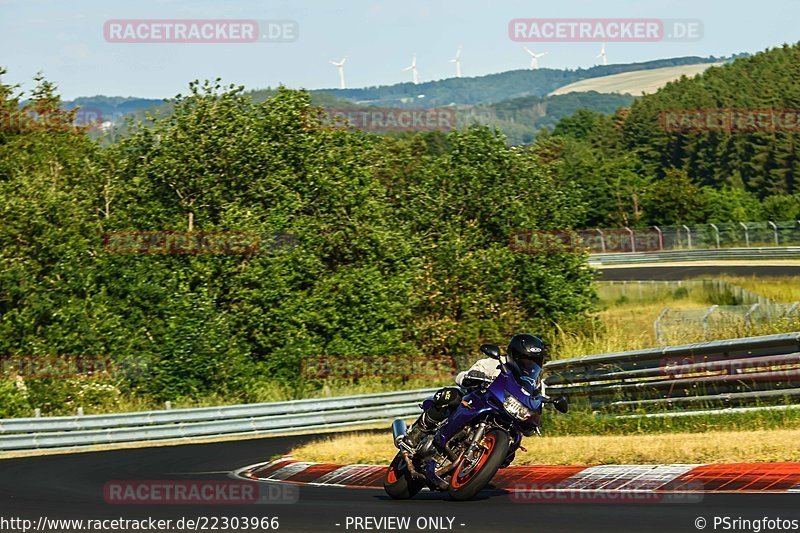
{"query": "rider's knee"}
(444, 401)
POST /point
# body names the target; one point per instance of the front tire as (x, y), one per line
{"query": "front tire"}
(470, 478)
(398, 482)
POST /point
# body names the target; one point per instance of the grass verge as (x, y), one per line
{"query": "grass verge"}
(712, 447)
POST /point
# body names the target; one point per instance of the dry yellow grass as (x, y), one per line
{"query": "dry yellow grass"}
(710, 447)
(627, 326)
(635, 83)
(784, 289)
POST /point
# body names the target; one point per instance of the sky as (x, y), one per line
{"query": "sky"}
(65, 40)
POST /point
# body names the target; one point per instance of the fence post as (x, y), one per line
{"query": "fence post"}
(633, 240)
(746, 234)
(716, 232)
(747, 322)
(657, 324)
(660, 238)
(775, 230)
(688, 235)
(602, 240)
(705, 319)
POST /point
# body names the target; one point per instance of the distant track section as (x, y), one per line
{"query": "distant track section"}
(681, 256)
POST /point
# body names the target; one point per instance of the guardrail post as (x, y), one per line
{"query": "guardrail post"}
(80, 411)
(657, 324)
(747, 322)
(775, 230)
(633, 240)
(37, 413)
(746, 234)
(602, 240)
(716, 232)
(688, 235)
(660, 237)
(705, 319)
(168, 405)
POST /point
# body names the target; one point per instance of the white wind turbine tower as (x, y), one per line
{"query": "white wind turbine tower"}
(534, 57)
(602, 55)
(340, 65)
(413, 68)
(457, 61)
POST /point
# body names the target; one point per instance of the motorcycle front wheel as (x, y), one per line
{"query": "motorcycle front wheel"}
(398, 482)
(474, 473)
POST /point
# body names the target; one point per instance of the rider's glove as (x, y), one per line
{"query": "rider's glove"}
(475, 378)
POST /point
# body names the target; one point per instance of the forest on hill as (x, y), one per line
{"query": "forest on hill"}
(635, 169)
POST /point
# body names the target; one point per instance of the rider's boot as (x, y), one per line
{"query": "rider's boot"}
(423, 426)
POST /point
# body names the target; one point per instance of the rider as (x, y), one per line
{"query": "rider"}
(526, 356)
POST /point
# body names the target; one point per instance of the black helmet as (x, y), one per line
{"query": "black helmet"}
(526, 346)
(526, 355)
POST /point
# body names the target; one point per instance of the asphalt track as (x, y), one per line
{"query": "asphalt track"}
(693, 271)
(72, 485)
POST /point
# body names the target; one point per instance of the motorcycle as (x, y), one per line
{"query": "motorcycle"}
(479, 437)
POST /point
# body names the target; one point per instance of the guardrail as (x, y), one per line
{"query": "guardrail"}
(717, 374)
(724, 254)
(251, 419)
(711, 375)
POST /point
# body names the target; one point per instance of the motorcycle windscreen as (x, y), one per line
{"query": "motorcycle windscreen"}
(530, 373)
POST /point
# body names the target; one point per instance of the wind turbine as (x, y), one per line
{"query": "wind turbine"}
(340, 65)
(534, 57)
(602, 54)
(413, 68)
(457, 61)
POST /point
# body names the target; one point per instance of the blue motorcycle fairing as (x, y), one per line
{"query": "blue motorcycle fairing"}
(479, 402)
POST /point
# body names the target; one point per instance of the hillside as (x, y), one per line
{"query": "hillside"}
(489, 89)
(765, 161)
(635, 83)
(495, 88)
(520, 119)
(721, 147)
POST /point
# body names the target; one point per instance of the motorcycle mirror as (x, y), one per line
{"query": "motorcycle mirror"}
(490, 350)
(561, 404)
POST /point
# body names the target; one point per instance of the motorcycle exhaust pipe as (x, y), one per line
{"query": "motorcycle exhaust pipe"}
(399, 430)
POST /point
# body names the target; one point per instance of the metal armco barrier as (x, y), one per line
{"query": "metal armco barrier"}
(717, 374)
(722, 254)
(254, 419)
(710, 375)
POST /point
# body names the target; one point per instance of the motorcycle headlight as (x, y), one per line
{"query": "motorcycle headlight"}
(515, 408)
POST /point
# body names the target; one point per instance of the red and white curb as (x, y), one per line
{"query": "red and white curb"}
(737, 477)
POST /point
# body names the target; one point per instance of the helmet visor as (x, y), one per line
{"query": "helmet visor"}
(530, 373)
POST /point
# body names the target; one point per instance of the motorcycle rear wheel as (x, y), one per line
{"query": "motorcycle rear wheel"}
(398, 482)
(471, 477)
